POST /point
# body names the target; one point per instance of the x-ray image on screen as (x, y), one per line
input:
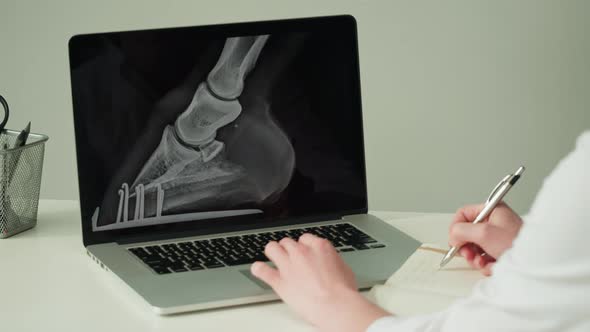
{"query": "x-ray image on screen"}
(183, 127)
(189, 166)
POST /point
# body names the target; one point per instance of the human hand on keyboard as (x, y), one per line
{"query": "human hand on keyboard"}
(317, 284)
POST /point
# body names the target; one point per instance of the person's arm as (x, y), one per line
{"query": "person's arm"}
(540, 284)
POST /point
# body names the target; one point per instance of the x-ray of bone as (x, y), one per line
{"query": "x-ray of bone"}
(172, 132)
(188, 167)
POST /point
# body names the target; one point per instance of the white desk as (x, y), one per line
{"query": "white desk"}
(49, 284)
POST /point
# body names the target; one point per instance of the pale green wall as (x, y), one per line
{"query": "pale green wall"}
(455, 93)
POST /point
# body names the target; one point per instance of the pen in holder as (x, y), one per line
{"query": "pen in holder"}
(20, 181)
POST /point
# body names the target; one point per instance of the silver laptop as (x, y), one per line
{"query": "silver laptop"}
(198, 145)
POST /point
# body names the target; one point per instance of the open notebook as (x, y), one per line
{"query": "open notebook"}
(419, 287)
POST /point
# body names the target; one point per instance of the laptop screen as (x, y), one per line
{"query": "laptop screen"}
(197, 130)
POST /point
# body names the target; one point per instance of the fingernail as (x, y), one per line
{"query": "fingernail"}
(255, 266)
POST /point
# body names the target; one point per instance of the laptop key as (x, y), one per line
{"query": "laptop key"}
(260, 258)
(161, 269)
(367, 239)
(139, 252)
(238, 261)
(157, 260)
(360, 246)
(211, 264)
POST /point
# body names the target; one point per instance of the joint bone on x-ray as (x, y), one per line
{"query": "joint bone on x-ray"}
(189, 146)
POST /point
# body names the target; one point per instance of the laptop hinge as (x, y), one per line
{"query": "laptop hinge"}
(235, 228)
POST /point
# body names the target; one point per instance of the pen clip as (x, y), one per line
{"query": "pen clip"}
(498, 187)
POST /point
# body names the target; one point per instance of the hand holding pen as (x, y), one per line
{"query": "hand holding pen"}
(481, 243)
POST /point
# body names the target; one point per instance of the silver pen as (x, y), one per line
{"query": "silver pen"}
(495, 197)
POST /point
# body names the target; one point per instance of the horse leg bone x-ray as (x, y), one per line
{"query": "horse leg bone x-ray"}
(191, 141)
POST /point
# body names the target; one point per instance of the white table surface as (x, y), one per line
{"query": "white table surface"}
(49, 284)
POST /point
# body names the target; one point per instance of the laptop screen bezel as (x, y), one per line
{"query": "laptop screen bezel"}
(342, 23)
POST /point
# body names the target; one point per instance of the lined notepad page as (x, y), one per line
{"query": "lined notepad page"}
(420, 287)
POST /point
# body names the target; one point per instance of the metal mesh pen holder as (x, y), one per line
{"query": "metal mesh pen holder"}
(20, 182)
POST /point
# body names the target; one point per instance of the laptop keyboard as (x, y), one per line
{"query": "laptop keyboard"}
(242, 249)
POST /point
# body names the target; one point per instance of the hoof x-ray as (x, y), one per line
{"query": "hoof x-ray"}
(179, 128)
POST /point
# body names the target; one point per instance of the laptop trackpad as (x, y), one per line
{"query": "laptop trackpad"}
(255, 280)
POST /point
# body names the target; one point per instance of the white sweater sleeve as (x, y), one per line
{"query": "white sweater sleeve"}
(543, 282)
